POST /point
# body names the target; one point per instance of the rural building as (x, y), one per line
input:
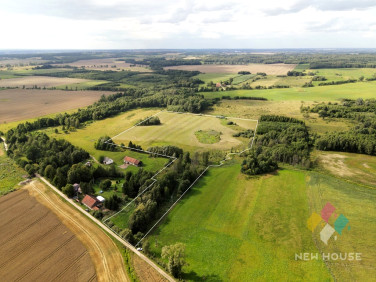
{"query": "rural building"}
(101, 199)
(91, 202)
(132, 161)
(88, 164)
(107, 161)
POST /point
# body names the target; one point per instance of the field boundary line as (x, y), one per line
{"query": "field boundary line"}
(221, 163)
(227, 157)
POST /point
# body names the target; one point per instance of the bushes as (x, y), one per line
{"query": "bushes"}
(105, 143)
(257, 163)
(151, 121)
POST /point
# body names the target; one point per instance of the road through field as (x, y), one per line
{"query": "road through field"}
(107, 259)
(129, 246)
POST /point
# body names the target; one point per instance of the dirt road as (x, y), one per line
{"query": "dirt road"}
(109, 264)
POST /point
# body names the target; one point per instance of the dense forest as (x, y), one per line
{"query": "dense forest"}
(278, 139)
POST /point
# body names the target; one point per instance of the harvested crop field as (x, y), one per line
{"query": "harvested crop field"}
(21, 104)
(270, 69)
(107, 259)
(39, 81)
(37, 246)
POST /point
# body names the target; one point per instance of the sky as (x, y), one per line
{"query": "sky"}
(187, 24)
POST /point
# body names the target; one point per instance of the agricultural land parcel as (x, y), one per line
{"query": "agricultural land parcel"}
(179, 130)
(252, 228)
(39, 81)
(20, 104)
(35, 245)
(272, 69)
(332, 93)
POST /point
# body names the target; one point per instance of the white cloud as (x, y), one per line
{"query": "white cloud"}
(97, 24)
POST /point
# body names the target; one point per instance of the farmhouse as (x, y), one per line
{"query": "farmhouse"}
(91, 202)
(107, 161)
(132, 161)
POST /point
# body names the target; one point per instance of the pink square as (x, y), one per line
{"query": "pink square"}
(327, 211)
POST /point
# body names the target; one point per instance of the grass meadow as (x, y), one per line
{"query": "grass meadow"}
(240, 229)
(243, 229)
(365, 90)
(357, 203)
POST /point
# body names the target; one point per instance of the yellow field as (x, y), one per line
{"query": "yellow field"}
(179, 129)
(40, 81)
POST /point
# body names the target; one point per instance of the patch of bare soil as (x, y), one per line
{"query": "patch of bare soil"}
(36, 246)
(21, 104)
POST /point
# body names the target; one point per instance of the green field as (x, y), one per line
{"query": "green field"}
(10, 173)
(239, 229)
(343, 74)
(208, 136)
(179, 130)
(357, 203)
(364, 90)
(215, 77)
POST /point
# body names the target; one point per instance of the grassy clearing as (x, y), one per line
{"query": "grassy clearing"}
(323, 93)
(179, 129)
(353, 167)
(239, 229)
(10, 173)
(208, 136)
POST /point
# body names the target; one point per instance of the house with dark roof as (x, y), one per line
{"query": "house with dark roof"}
(91, 202)
(132, 161)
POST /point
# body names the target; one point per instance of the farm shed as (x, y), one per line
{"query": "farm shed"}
(132, 161)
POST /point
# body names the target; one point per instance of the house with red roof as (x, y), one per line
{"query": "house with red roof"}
(132, 161)
(91, 202)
